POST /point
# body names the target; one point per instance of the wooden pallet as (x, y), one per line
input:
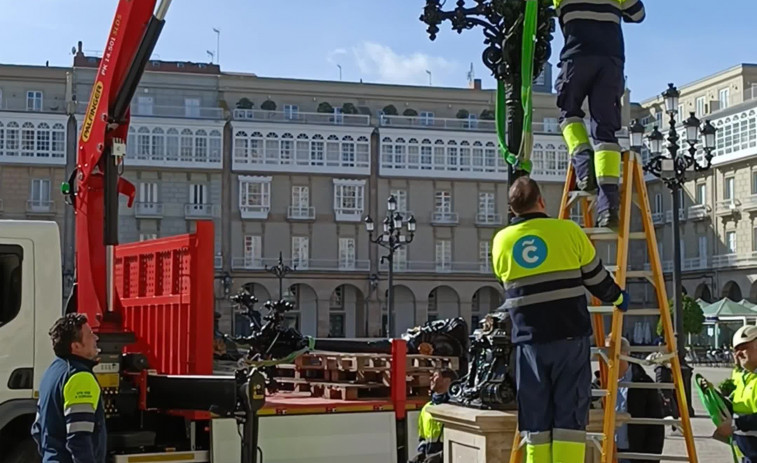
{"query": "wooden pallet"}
(338, 391)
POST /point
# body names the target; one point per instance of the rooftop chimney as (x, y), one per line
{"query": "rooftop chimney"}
(476, 84)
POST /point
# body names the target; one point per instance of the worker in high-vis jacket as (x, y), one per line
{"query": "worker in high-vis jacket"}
(546, 265)
(592, 65)
(743, 427)
(430, 444)
(70, 422)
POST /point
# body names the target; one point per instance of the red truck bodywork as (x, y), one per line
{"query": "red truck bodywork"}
(165, 289)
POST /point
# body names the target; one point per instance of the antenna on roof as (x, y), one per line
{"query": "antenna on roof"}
(471, 76)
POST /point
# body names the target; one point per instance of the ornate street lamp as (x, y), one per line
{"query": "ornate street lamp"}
(502, 25)
(671, 167)
(392, 238)
(280, 271)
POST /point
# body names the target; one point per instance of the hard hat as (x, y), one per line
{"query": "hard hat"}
(744, 334)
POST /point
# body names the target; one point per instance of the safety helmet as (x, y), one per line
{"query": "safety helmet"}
(746, 333)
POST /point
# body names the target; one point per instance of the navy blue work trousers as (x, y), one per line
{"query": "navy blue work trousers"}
(602, 81)
(554, 385)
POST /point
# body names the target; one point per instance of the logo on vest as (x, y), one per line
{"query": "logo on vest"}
(530, 251)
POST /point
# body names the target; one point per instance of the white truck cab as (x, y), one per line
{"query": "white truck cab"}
(30, 302)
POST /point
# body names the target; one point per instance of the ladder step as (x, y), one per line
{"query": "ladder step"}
(595, 436)
(654, 421)
(649, 349)
(650, 456)
(609, 309)
(599, 393)
(647, 385)
(607, 234)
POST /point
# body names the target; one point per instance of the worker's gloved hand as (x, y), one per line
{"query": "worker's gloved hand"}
(623, 300)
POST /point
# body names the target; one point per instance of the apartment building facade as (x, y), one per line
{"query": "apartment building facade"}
(292, 167)
(718, 228)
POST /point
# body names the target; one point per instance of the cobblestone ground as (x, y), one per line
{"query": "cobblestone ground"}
(708, 449)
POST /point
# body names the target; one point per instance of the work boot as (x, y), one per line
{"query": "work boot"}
(583, 165)
(608, 219)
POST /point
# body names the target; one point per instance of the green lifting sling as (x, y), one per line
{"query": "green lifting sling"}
(521, 161)
(715, 405)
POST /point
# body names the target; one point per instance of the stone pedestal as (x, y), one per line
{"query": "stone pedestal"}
(486, 436)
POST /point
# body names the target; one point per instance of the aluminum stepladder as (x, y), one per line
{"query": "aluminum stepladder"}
(633, 192)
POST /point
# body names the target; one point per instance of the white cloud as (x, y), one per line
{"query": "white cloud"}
(379, 63)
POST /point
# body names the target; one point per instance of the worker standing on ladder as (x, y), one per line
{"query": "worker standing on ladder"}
(592, 65)
(546, 265)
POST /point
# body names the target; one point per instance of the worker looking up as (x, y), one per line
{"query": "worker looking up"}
(592, 65)
(545, 265)
(429, 430)
(743, 427)
(70, 423)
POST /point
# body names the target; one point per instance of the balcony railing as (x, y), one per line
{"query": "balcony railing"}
(415, 266)
(148, 210)
(316, 265)
(197, 211)
(749, 203)
(727, 207)
(658, 218)
(21, 105)
(36, 206)
(681, 215)
(444, 218)
(260, 115)
(178, 111)
(488, 219)
(667, 266)
(254, 212)
(348, 215)
(218, 261)
(735, 260)
(300, 213)
(695, 263)
(247, 263)
(699, 211)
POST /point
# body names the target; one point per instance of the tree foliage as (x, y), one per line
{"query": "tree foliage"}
(693, 316)
(462, 114)
(349, 108)
(245, 103)
(268, 105)
(390, 110)
(487, 115)
(410, 112)
(325, 107)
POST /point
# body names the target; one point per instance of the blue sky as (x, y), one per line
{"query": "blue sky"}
(378, 41)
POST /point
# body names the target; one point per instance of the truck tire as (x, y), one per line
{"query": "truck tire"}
(24, 452)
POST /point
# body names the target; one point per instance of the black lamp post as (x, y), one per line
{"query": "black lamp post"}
(502, 23)
(671, 168)
(391, 239)
(280, 271)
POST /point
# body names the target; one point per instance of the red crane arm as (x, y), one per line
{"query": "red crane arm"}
(101, 148)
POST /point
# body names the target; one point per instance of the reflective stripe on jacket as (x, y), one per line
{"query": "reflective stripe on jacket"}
(546, 265)
(592, 27)
(70, 422)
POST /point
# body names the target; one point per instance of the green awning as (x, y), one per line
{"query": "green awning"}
(727, 308)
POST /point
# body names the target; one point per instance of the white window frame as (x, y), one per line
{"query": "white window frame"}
(724, 98)
(39, 195)
(551, 125)
(347, 192)
(301, 252)
(347, 253)
(149, 193)
(443, 255)
(291, 112)
(701, 194)
(147, 236)
(487, 207)
(300, 205)
(730, 241)
(400, 259)
(485, 256)
(658, 203)
(198, 194)
(426, 118)
(700, 105)
(400, 195)
(729, 185)
(36, 98)
(252, 251)
(144, 106)
(249, 207)
(754, 182)
(192, 107)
